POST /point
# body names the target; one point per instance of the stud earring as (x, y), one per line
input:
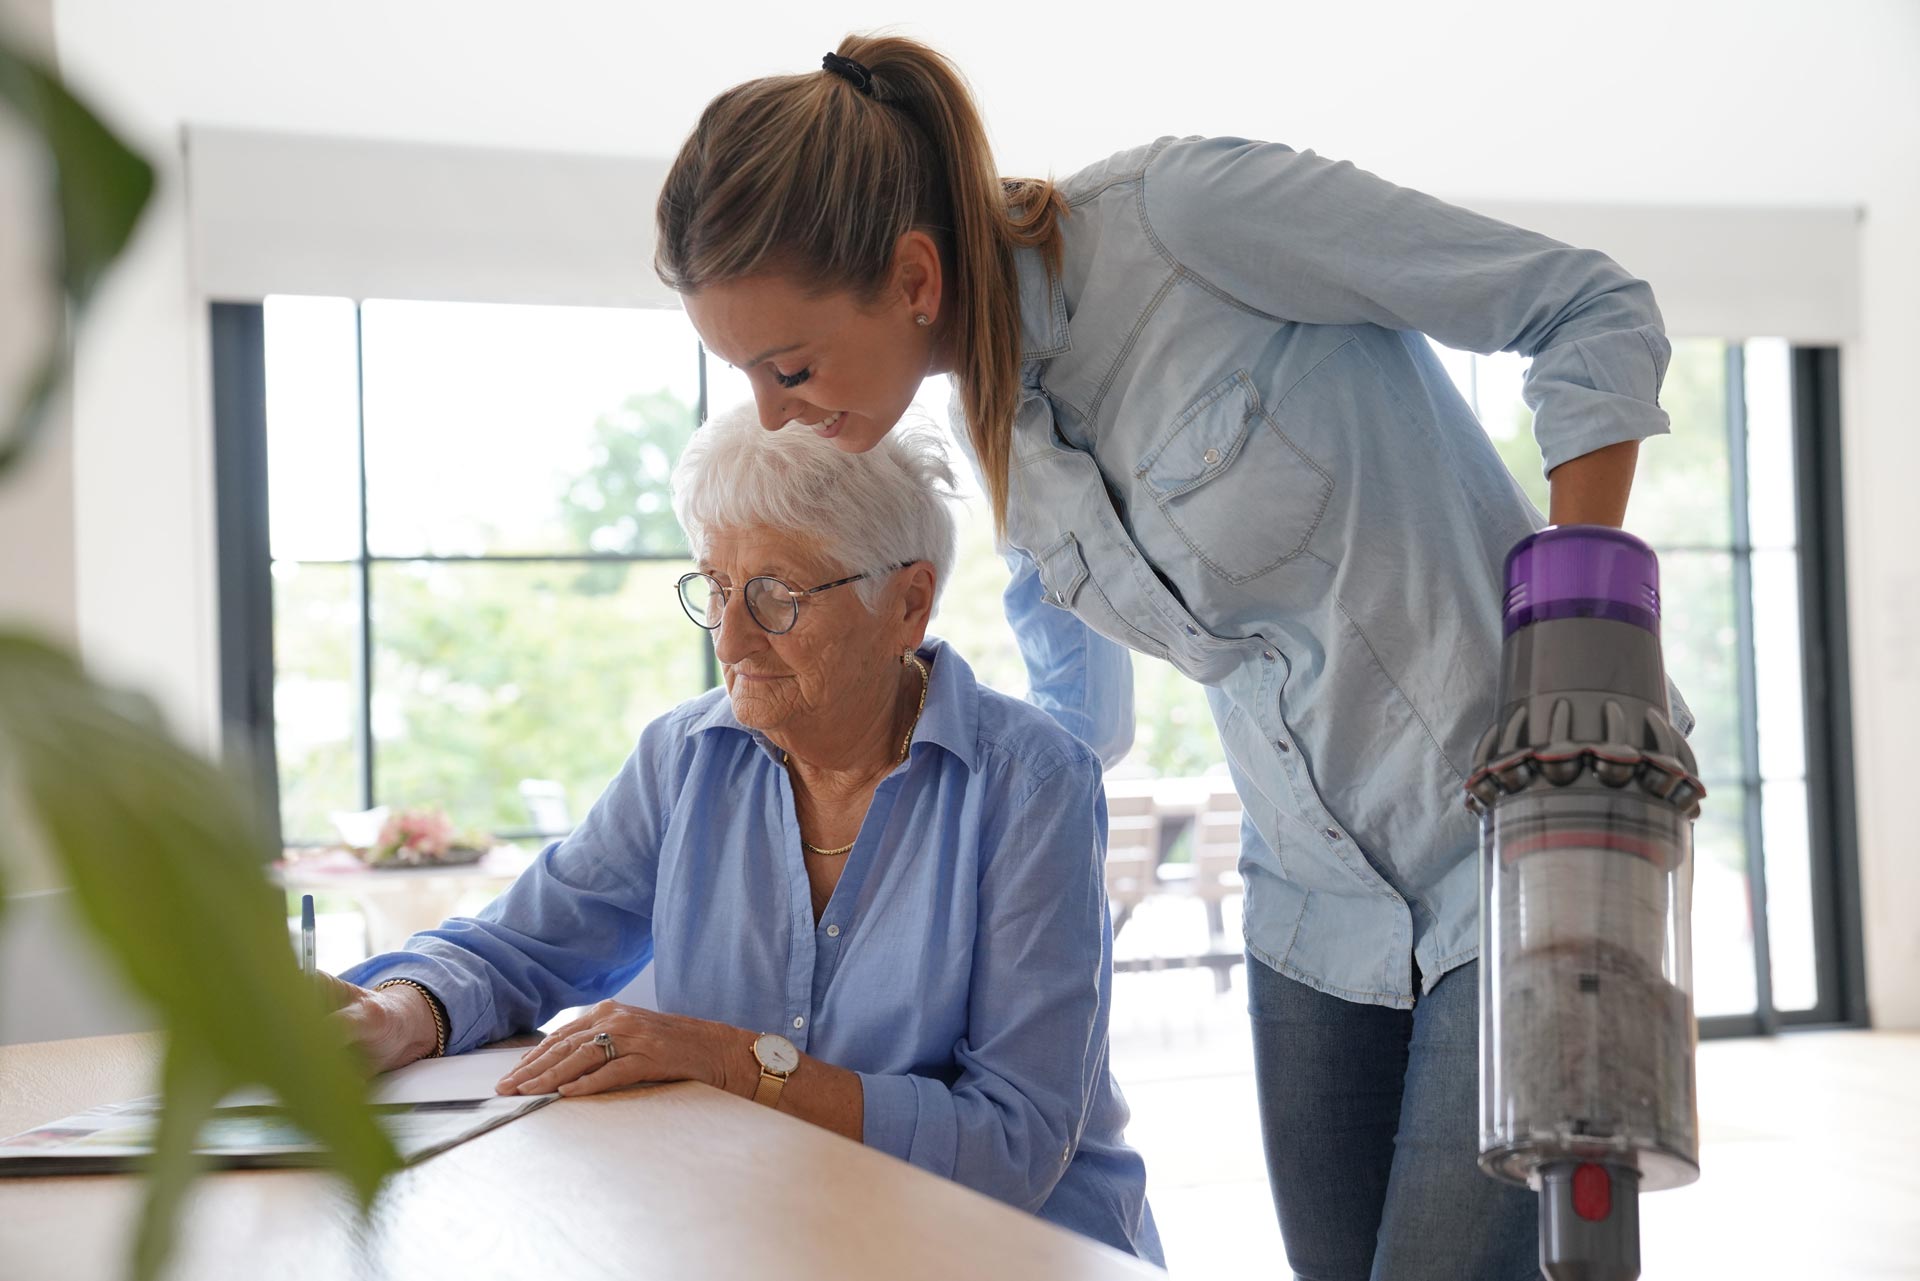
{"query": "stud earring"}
(923, 320)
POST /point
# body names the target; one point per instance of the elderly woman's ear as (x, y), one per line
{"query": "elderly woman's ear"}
(910, 603)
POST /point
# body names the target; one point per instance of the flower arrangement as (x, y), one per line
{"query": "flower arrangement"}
(422, 836)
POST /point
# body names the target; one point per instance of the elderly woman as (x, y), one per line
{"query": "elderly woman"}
(870, 888)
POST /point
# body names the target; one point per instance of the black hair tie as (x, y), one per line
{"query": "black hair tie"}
(850, 71)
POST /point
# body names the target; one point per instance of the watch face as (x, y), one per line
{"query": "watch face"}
(776, 1053)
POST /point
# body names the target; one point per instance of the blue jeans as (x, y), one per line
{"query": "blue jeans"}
(1370, 1117)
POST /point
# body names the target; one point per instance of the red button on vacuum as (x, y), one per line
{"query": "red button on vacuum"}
(1592, 1192)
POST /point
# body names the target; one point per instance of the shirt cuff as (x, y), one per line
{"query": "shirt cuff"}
(897, 1123)
(468, 1004)
(1597, 391)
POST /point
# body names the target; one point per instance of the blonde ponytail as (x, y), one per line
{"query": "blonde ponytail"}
(816, 177)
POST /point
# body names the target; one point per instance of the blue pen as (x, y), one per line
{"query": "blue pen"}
(306, 934)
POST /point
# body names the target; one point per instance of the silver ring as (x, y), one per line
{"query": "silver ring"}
(605, 1042)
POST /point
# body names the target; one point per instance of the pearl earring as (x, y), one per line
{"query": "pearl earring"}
(923, 320)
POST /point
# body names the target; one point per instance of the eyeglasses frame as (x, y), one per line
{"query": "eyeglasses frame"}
(726, 593)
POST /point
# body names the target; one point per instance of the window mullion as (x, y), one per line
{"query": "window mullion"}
(363, 675)
(1748, 678)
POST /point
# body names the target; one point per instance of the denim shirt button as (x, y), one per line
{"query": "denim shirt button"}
(1211, 457)
(1267, 654)
(798, 1022)
(1333, 833)
(1283, 745)
(1192, 630)
(833, 931)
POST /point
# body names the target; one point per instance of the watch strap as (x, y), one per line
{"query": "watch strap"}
(767, 1091)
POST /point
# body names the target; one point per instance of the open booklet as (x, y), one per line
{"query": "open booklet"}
(425, 1107)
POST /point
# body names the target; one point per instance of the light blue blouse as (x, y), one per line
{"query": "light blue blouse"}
(1236, 452)
(962, 967)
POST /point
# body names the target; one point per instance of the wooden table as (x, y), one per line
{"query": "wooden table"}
(674, 1181)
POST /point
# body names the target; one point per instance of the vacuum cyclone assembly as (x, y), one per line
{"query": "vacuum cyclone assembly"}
(1587, 795)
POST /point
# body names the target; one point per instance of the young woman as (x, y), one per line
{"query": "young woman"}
(1193, 381)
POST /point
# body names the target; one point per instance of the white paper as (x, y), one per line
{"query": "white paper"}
(456, 1078)
(461, 1076)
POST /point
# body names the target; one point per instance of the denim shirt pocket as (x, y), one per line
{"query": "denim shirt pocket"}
(1235, 487)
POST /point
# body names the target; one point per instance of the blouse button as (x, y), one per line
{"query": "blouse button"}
(1211, 457)
(833, 931)
(798, 1022)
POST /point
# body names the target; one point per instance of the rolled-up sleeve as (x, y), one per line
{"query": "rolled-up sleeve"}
(574, 928)
(1033, 1051)
(1298, 237)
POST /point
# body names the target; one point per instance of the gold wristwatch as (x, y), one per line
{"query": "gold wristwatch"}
(777, 1059)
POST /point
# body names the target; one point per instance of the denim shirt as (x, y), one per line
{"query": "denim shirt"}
(1237, 452)
(962, 965)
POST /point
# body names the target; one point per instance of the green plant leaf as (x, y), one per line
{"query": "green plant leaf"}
(100, 186)
(166, 863)
(190, 1084)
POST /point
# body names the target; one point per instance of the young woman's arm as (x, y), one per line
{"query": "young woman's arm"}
(1074, 674)
(1592, 489)
(1298, 237)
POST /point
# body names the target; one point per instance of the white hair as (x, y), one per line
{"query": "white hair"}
(870, 511)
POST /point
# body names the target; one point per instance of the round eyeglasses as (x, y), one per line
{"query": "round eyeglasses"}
(773, 604)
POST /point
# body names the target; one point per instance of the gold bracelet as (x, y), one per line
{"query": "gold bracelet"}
(433, 1004)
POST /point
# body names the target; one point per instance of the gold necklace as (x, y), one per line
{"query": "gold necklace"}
(926, 679)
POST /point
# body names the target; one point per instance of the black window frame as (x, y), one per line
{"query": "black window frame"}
(245, 562)
(1839, 951)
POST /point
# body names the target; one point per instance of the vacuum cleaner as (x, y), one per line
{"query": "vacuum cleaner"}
(1586, 795)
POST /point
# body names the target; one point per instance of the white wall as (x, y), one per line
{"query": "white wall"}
(1773, 101)
(36, 501)
(51, 982)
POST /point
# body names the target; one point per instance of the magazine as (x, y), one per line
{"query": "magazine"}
(425, 1108)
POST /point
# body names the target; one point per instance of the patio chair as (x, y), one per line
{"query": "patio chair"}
(1133, 851)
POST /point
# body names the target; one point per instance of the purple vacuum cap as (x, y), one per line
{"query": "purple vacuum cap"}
(1582, 571)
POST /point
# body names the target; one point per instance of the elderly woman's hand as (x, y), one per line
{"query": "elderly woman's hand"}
(646, 1046)
(393, 1027)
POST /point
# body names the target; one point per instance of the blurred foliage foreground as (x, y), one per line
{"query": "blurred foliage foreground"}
(162, 853)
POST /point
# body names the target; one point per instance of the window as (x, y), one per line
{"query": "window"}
(448, 554)
(472, 551)
(1723, 505)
